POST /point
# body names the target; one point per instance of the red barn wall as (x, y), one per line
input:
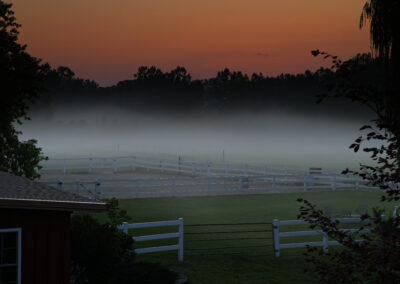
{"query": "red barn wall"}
(45, 244)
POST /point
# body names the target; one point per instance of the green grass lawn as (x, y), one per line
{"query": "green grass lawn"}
(255, 266)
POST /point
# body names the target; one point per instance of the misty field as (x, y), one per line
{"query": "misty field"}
(251, 266)
(274, 138)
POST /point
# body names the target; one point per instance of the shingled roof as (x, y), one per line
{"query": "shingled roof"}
(23, 193)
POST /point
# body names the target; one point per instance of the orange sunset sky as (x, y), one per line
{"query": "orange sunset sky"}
(107, 41)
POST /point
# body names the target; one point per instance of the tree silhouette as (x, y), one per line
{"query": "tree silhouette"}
(375, 258)
(21, 78)
(384, 28)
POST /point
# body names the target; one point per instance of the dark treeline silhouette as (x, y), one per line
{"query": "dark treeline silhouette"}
(154, 90)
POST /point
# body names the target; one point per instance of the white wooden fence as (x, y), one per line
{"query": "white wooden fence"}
(178, 165)
(211, 185)
(125, 227)
(325, 242)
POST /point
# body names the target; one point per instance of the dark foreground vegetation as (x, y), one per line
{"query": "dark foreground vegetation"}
(375, 258)
(102, 254)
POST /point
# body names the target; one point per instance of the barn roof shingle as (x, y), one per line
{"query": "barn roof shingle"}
(20, 192)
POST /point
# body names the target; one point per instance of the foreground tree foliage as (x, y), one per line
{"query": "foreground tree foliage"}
(102, 254)
(374, 259)
(21, 79)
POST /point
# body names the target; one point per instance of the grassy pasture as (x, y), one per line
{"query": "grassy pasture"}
(257, 265)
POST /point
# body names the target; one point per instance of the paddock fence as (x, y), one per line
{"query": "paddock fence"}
(125, 227)
(324, 243)
(209, 185)
(258, 238)
(177, 166)
(228, 238)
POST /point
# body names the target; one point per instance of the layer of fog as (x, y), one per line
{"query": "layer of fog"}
(276, 137)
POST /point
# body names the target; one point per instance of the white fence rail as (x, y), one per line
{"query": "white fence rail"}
(179, 247)
(325, 242)
(179, 165)
(181, 186)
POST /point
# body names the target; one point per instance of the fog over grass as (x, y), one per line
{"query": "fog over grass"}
(275, 137)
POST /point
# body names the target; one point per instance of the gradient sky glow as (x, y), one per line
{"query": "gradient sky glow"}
(107, 41)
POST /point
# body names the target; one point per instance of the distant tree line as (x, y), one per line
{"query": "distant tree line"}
(176, 91)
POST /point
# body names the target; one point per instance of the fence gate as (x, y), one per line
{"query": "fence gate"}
(228, 238)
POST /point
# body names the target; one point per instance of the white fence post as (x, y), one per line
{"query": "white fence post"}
(162, 165)
(115, 165)
(396, 211)
(125, 227)
(273, 183)
(180, 250)
(137, 188)
(133, 163)
(96, 189)
(60, 184)
(277, 250)
(90, 165)
(286, 174)
(333, 184)
(325, 242)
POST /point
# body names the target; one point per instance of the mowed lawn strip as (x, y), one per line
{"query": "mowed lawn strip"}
(259, 265)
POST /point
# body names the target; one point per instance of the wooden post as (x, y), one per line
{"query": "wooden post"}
(275, 230)
(180, 251)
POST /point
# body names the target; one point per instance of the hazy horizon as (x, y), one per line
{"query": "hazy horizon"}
(279, 137)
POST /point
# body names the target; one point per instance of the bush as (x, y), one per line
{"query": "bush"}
(97, 250)
(102, 254)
